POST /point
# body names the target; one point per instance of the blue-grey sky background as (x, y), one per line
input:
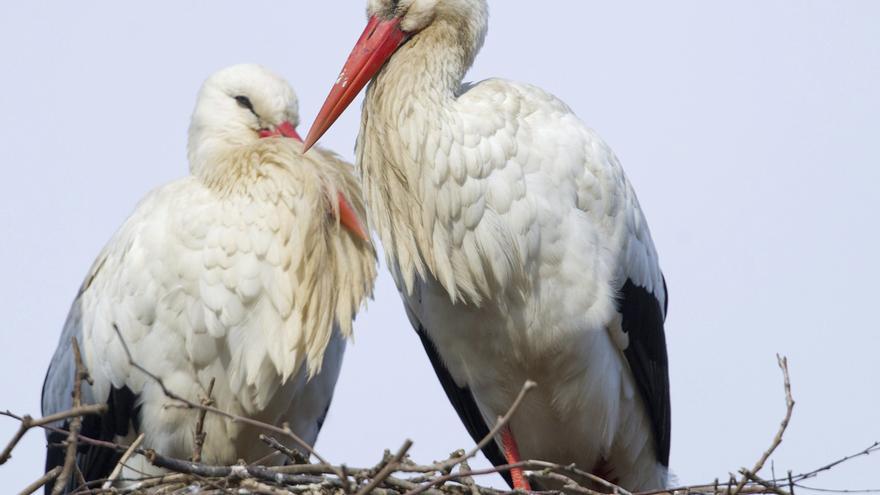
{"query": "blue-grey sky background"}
(751, 130)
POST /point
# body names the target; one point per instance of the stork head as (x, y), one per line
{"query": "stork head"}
(392, 23)
(415, 15)
(238, 106)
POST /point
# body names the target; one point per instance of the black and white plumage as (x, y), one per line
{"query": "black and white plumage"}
(248, 272)
(517, 243)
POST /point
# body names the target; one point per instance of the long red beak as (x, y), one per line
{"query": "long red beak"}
(380, 40)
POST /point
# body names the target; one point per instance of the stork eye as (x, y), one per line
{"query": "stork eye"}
(244, 102)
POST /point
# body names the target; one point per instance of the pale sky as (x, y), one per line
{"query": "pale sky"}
(750, 129)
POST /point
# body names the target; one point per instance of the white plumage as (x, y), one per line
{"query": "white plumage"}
(517, 242)
(239, 273)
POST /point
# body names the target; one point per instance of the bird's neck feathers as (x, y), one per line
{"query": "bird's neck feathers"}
(334, 269)
(432, 64)
(409, 124)
(231, 167)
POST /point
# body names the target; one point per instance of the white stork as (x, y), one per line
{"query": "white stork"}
(248, 272)
(517, 243)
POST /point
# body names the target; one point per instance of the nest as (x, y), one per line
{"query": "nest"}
(394, 474)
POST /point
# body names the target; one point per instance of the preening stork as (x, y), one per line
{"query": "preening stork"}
(248, 272)
(517, 243)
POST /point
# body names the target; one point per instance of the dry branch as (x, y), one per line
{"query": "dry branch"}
(122, 460)
(501, 423)
(286, 431)
(386, 471)
(46, 478)
(394, 474)
(292, 455)
(752, 474)
(75, 423)
(27, 422)
(199, 435)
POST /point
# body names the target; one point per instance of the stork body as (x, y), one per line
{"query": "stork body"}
(518, 273)
(517, 243)
(240, 274)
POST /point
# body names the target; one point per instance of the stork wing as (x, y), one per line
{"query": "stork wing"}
(461, 398)
(57, 396)
(643, 317)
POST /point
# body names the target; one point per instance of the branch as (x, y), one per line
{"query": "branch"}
(490, 437)
(828, 490)
(769, 485)
(286, 431)
(874, 447)
(386, 471)
(292, 455)
(234, 472)
(28, 422)
(572, 469)
(75, 423)
(789, 408)
(122, 460)
(569, 484)
(46, 478)
(396, 474)
(199, 435)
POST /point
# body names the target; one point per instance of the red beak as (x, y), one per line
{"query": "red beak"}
(285, 129)
(348, 218)
(380, 40)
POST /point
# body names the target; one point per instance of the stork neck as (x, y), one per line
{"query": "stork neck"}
(226, 168)
(430, 66)
(410, 108)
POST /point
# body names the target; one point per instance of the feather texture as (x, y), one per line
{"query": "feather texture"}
(510, 228)
(240, 273)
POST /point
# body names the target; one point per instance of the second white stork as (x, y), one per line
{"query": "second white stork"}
(246, 273)
(517, 243)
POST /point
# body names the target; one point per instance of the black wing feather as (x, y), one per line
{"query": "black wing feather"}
(96, 463)
(93, 462)
(643, 319)
(463, 401)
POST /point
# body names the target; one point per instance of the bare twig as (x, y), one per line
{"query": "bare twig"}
(464, 469)
(572, 469)
(874, 447)
(386, 471)
(501, 423)
(233, 417)
(27, 422)
(292, 455)
(448, 464)
(569, 484)
(769, 485)
(789, 408)
(395, 474)
(122, 460)
(80, 478)
(262, 488)
(239, 472)
(46, 478)
(830, 490)
(199, 434)
(75, 423)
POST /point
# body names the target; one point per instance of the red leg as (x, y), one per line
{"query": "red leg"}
(511, 452)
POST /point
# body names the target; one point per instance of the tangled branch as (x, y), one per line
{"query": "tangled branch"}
(394, 474)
